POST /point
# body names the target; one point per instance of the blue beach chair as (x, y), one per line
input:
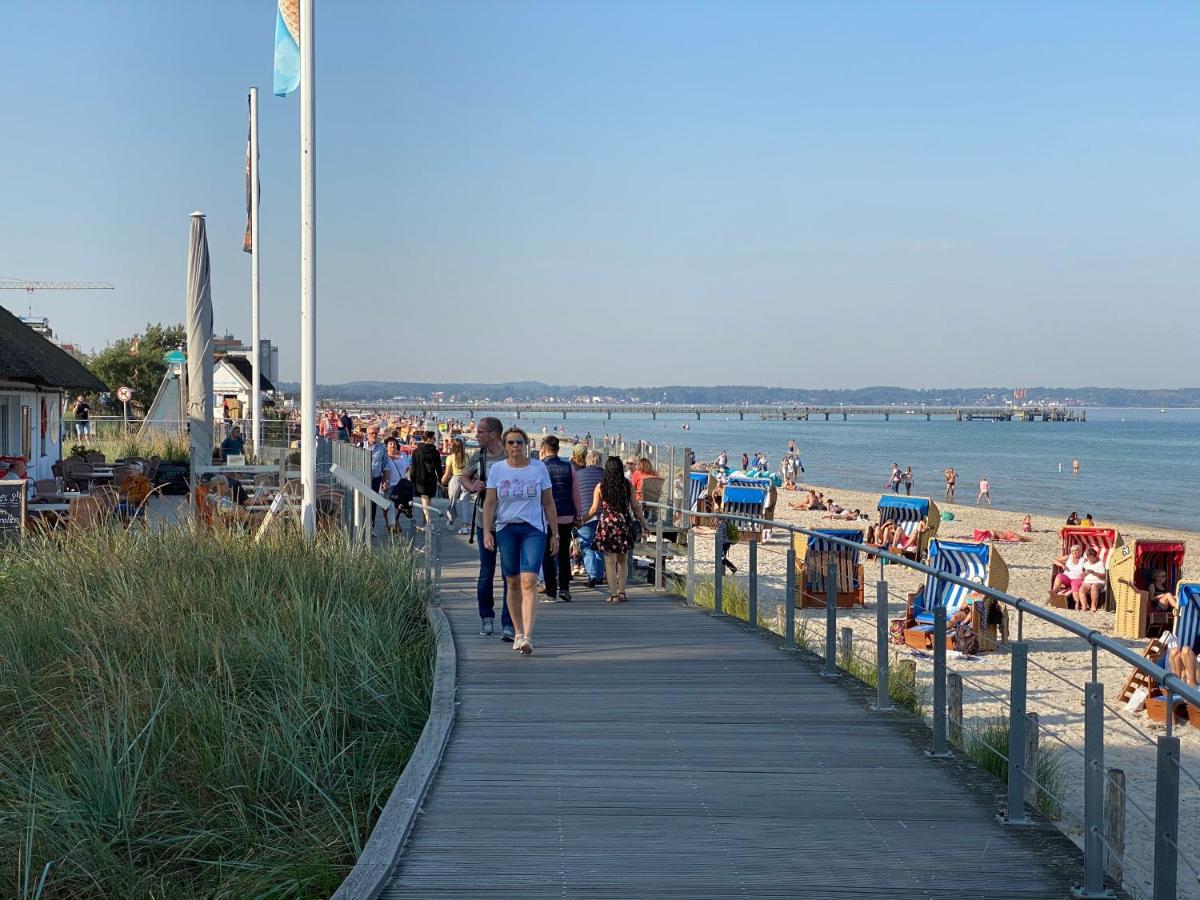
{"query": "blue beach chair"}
(969, 560)
(697, 487)
(908, 513)
(746, 497)
(1186, 628)
(813, 555)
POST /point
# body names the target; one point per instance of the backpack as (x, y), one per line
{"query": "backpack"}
(965, 640)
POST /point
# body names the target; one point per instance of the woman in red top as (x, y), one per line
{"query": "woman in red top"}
(643, 471)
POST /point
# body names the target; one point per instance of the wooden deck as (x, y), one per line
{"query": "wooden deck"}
(649, 751)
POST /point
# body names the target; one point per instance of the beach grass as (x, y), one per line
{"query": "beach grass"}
(167, 445)
(987, 744)
(191, 714)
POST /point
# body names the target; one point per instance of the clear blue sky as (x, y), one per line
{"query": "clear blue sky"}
(812, 194)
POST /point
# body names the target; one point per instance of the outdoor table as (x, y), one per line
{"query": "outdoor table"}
(40, 509)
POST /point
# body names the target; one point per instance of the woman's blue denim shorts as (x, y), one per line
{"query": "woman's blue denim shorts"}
(521, 548)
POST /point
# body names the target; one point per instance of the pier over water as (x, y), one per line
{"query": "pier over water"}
(766, 412)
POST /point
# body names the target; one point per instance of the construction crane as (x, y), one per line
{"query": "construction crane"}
(20, 284)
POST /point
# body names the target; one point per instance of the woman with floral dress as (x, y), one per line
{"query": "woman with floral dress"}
(616, 509)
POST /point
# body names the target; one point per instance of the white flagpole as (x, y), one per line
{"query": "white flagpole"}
(308, 273)
(255, 376)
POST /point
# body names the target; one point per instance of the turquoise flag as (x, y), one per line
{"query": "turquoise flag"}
(287, 47)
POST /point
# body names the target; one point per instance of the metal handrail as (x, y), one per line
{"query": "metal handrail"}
(1096, 638)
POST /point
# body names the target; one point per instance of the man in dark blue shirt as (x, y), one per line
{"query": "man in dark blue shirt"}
(234, 444)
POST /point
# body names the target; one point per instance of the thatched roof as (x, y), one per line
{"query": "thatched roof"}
(27, 356)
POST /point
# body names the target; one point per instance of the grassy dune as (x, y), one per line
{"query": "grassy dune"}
(188, 714)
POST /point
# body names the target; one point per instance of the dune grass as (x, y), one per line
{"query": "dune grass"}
(987, 744)
(188, 714)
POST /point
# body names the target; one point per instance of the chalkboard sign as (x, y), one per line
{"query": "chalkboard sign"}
(12, 510)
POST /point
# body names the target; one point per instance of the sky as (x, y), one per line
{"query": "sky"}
(816, 194)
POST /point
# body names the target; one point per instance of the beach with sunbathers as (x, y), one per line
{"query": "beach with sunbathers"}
(1059, 663)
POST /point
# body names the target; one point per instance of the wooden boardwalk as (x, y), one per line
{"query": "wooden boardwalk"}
(649, 751)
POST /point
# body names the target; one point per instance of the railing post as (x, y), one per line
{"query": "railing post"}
(690, 584)
(1016, 736)
(1166, 816)
(659, 560)
(718, 568)
(1093, 798)
(789, 600)
(752, 605)
(939, 682)
(883, 696)
(830, 670)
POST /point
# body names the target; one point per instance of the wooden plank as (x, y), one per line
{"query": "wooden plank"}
(647, 750)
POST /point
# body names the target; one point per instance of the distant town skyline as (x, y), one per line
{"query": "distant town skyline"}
(824, 194)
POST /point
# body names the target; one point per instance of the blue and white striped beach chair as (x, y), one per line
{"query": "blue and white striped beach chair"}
(746, 498)
(697, 486)
(1187, 616)
(1186, 629)
(813, 555)
(968, 560)
(908, 513)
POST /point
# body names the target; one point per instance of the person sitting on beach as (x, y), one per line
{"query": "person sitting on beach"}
(1087, 521)
(1157, 595)
(1094, 577)
(1026, 525)
(1182, 660)
(812, 501)
(903, 541)
(1070, 579)
(1073, 518)
(881, 535)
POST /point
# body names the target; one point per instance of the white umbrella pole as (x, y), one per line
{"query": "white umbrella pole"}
(308, 273)
(255, 376)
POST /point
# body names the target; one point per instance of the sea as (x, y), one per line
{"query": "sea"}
(1136, 465)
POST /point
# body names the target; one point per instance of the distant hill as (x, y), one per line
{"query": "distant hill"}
(519, 391)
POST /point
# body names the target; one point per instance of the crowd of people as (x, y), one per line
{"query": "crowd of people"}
(533, 508)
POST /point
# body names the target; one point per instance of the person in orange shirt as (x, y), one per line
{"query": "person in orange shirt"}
(134, 490)
(643, 471)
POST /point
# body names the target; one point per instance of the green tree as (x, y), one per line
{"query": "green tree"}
(138, 362)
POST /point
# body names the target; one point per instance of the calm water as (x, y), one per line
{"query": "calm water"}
(1137, 465)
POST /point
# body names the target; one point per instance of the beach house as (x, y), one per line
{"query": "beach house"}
(232, 376)
(36, 377)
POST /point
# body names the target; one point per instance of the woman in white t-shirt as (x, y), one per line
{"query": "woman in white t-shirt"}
(516, 508)
(1070, 579)
(1094, 578)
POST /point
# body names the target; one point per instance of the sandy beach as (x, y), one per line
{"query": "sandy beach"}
(1059, 664)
